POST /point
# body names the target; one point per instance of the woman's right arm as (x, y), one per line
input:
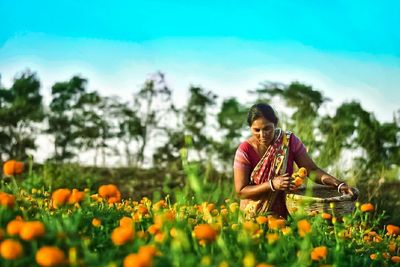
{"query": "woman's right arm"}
(245, 190)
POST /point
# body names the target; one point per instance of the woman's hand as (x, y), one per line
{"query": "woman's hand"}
(348, 190)
(281, 182)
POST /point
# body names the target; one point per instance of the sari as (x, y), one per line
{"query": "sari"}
(274, 162)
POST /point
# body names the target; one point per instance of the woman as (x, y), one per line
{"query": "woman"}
(263, 165)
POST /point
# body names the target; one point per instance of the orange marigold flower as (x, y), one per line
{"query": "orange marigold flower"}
(367, 207)
(298, 181)
(10, 249)
(110, 192)
(32, 230)
(372, 256)
(121, 235)
(49, 256)
(13, 167)
(272, 238)
(392, 229)
(153, 229)
(7, 200)
(275, 224)
(304, 227)
(319, 253)
(126, 221)
(96, 222)
(136, 260)
(395, 259)
(14, 226)
(205, 232)
(262, 219)
(76, 196)
(326, 216)
(142, 210)
(60, 197)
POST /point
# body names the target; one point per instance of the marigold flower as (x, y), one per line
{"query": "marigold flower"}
(32, 230)
(49, 256)
(367, 207)
(135, 260)
(122, 235)
(275, 224)
(298, 181)
(249, 260)
(272, 238)
(96, 222)
(392, 229)
(326, 216)
(126, 221)
(372, 256)
(302, 172)
(76, 196)
(14, 226)
(262, 219)
(319, 253)
(205, 232)
(110, 192)
(13, 167)
(60, 197)
(304, 227)
(395, 259)
(10, 249)
(7, 200)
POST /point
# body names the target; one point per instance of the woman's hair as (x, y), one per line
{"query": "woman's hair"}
(261, 110)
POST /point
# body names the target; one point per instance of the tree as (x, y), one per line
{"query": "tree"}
(153, 104)
(195, 118)
(231, 119)
(305, 101)
(20, 109)
(63, 122)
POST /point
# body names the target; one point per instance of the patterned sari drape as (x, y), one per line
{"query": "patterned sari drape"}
(272, 163)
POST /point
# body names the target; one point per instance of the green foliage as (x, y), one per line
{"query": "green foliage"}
(20, 108)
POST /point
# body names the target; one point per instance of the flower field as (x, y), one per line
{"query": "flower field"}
(80, 227)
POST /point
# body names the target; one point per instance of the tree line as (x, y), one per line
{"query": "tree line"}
(78, 119)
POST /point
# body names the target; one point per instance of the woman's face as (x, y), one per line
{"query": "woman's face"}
(263, 130)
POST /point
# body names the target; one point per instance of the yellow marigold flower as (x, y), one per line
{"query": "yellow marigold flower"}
(302, 172)
(205, 260)
(286, 230)
(249, 260)
(233, 207)
(272, 238)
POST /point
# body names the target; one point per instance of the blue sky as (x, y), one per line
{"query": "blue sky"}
(347, 49)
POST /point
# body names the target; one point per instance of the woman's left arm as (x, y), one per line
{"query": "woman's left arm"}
(322, 177)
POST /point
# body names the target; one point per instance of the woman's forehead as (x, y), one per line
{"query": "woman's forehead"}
(261, 123)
